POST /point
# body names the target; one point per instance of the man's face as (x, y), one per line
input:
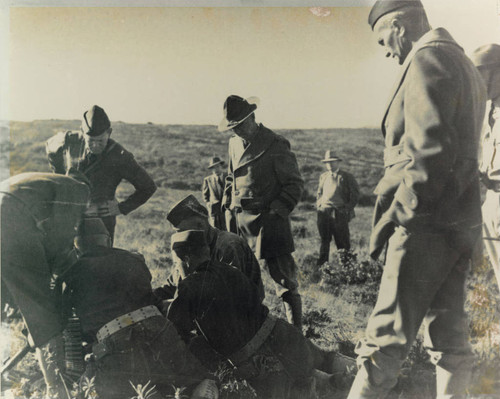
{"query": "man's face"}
(491, 77)
(97, 144)
(390, 35)
(244, 129)
(332, 165)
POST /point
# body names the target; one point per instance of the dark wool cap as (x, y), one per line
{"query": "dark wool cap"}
(186, 208)
(188, 239)
(91, 227)
(95, 121)
(383, 7)
(487, 55)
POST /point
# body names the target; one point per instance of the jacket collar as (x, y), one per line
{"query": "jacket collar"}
(432, 37)
(258, 146)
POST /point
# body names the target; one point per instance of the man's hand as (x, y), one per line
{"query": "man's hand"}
(109, 208)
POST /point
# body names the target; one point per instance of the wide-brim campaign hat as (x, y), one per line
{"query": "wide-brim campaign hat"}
(214, 161)
(236, 110)
(329, 157)
(486, 55)
(185, 208)
(384, 7)
(95, 121)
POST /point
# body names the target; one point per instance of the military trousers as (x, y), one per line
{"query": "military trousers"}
(332, 223)
(423, 281)
(491, 230)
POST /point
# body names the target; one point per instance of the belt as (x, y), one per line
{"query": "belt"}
(93, 208)
(394, 155)
(127, 320)
(255, 343)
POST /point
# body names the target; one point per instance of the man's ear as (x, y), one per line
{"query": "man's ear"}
(398, 27)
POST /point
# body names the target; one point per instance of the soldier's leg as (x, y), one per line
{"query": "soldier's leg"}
(446, 337)
(283, 271)
(324, 229)
(416, 267)
(341, 233)
(110, 223)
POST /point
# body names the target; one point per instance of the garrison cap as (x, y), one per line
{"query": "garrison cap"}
(188, 239)
(95, 121)
(383, 7)
(487, 55)
(91, 227)
(186, 208)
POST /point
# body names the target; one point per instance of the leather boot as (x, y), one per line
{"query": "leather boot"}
(293, 308)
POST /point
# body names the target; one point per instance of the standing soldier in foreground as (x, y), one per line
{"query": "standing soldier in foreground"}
(105, 163)
(337, 195)
(428, 205)
(39, 215)
(487, 60)
(213, 191)
(263, 186)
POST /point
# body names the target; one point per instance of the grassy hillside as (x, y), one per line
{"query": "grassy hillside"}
(176, 157)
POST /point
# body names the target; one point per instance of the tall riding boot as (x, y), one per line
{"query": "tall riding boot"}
(293, 308)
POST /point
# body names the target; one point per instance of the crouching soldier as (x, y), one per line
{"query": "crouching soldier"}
(39, 214)
(133, 343)
(225, 247)
(227, 312)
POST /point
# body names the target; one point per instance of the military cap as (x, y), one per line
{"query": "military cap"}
(95, 121)
(383, 7)
(188, 239)
(91, 227)
(487, 55)
(236, 110)
(329, 157)
(214, 161)
(185, 208)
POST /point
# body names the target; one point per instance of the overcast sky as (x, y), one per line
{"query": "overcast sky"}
(311, 67)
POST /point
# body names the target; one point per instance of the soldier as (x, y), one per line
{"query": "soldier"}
(225, 247)
(487, 59)
(428, 205)
(263, 186)
(337, 195)
(104, 162)
(133, 343)
(213, 191)
(228, 314)
(39, 214)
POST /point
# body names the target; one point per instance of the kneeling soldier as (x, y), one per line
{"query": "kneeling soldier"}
(111, 291)
(226, 310)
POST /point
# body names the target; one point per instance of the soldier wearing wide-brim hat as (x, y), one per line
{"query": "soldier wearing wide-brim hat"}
(487, 60)
(427, 215)
(336, 197)
(213, 192)
(104, 162)
(262, 188)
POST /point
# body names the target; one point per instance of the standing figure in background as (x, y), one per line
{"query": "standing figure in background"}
(39, 215)
(428, 209)
(105, 163)
(338, 194)
(213, 191)
(263, 187)
(487, 59)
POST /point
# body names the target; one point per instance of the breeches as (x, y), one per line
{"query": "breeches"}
(332, 223)
(283, 271)
(423, 280)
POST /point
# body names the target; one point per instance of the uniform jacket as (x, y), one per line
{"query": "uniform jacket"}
(107, 283)
(105, 172)
(39, 214)
(225, 248)
(432, 127)
(262, 177)
(213, 191)
(346, 185)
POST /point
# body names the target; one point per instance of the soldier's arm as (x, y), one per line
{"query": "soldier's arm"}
(291, 182)
(179, 313)
(205, 190)
(54, 148)
(353, 192)
(228, 183)
(144, 185)
(319, 192)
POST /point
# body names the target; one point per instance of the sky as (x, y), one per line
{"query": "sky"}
(311, 67)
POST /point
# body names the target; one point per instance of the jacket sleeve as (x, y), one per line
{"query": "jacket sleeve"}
(430, 102)
(205, 190)
(179, 312)
(288, 175)
(319, 192)
(144, 185)
(353, 192)
(228, 182)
